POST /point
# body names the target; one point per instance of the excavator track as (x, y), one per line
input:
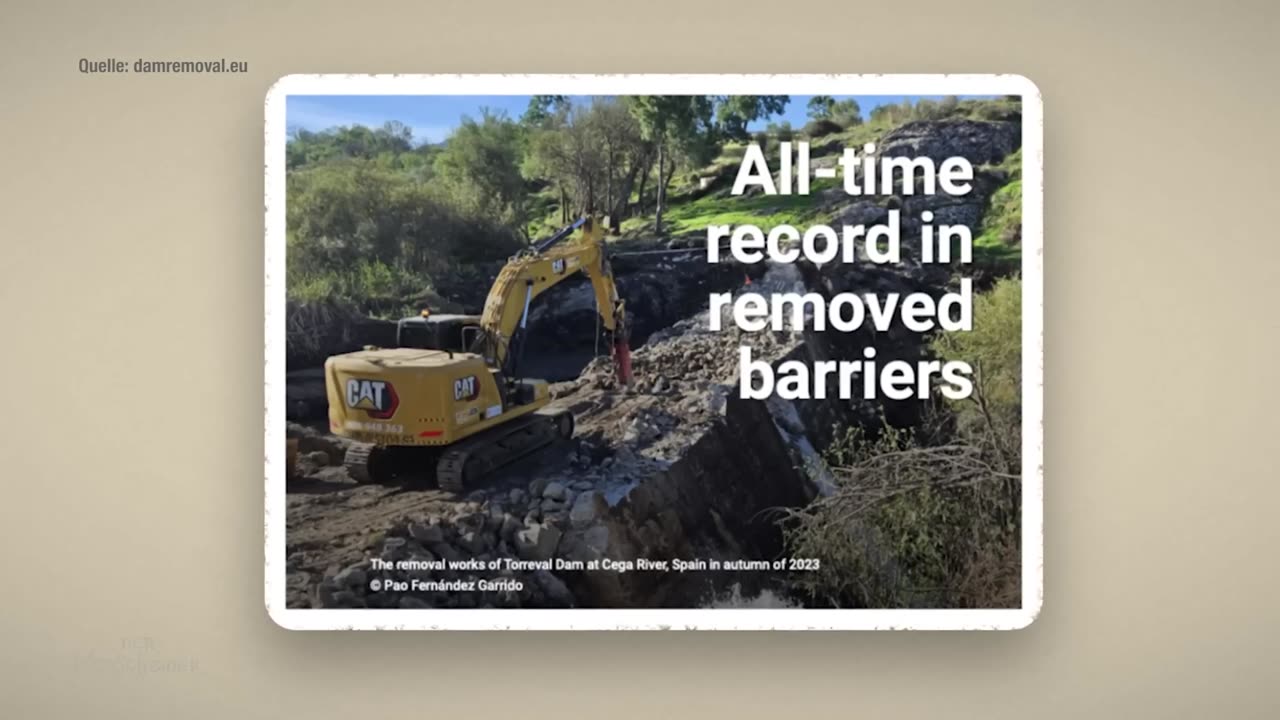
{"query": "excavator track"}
(469, 461)
(361, 462)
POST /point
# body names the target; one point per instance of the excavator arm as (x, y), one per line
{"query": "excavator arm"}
(540, 268)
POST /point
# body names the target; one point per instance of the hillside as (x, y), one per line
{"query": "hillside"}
(385, 227)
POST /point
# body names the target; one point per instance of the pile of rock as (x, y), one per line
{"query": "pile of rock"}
(519, 530)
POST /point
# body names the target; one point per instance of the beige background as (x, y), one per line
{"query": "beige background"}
(131, 245)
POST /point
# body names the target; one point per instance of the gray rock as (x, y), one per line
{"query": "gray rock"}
(422, 554)
(556, 592)
(978, 142)
(495, 516)
(447, 551)
(317, 457)
(554, 491)
(597, 538)
(537, 542)
(517, 496)
(510, 526)
(426, 534)
(473, 542)
(330, 474)
(345, 599)
(587, 509)
(324, 596)
(537, 486)
(353, 575)
(409, 602)
(641, 430)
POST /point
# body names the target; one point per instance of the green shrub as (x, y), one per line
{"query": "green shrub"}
(821, 128)
(993, 348)
(370, 235)
(370, 286)
(998, 111)
(999, 235)
(782, 131)
(929, 517)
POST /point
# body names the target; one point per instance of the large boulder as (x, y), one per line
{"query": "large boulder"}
(978, 142)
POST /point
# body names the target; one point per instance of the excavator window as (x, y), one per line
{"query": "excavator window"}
(436, 332)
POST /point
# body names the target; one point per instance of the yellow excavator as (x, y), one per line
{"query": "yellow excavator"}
(451, 396)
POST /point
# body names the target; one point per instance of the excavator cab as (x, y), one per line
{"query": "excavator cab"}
(427, 331)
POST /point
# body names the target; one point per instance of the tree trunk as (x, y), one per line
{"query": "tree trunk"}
(657, 218)
(644, 180)
(619, 209)
(608, 185)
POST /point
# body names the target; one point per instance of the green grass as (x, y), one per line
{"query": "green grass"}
(854, 137)
(999, 236)
(721, 208)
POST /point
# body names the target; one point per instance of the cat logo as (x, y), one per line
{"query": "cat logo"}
(375, 397)
(557, 266)
(465, 388)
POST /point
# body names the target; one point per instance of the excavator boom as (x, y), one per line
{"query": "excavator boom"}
(526, 276)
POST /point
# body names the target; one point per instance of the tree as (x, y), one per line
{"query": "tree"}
(624, 153)
(690, 129)
(354, 141)
(480, 164)
(543, 108)
(735, 112)
(675, 124)
(566, 151)
(846, 112)
(926, 109)
(893, 113)
(820, 107)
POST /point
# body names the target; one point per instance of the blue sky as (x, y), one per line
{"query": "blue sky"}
(433, 117)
